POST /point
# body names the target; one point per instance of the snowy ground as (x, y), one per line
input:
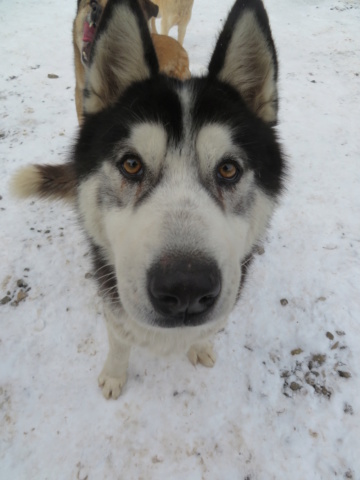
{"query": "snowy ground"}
(283, 400)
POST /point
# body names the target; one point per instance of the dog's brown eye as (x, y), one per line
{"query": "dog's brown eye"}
(132, 167)
(228, 172)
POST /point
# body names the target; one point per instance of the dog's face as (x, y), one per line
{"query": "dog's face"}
(177, 181)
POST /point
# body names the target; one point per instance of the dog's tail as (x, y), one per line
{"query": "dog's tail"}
(45, 181)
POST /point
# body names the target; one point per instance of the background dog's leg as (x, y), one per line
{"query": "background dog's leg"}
(202, 353)
(153, 25)
(165, 25)
(113, 376)
(181, 32)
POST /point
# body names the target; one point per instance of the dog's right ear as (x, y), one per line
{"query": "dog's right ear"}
(122, 53)
(245, 58)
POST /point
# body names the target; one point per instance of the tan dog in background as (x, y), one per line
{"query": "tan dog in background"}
(172, 57)
(173, 12)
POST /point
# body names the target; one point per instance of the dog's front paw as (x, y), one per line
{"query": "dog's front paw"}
(111, 386)
(203, 354)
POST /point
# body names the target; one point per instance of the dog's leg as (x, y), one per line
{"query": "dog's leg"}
(153, 25)
(202, 353)
(165, 25)
(181, 32)
(113, 376)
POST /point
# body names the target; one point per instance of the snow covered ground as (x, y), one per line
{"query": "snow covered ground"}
(283, 400)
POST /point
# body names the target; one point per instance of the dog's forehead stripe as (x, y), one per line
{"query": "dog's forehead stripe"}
(155, 101)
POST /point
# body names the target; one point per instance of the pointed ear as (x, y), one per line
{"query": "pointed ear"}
(122, 53)
(245, 57)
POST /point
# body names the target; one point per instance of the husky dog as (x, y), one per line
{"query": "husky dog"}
(175, 182)
(173, 12)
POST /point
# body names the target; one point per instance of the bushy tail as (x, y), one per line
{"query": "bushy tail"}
(45, 181)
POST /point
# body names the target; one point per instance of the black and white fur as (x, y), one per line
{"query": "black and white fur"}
(169, 242)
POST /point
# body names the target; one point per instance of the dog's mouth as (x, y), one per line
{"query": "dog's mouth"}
(181, 320)
(89, 30)
(87, 41)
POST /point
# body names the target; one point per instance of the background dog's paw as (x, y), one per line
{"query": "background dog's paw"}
(111, 386)
(203, 354)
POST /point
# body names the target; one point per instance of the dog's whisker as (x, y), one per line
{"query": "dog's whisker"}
(105, 285)
(99, 274)
(108, 276)
(106, 268)
(105, 265)
(246, 262)
(107, 290)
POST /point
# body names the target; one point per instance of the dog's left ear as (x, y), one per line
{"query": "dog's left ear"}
(122, 53)
(245, 57)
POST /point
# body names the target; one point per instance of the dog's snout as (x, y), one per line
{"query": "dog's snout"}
(183, 289)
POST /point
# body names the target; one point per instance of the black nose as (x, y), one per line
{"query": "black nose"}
(183, 289)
